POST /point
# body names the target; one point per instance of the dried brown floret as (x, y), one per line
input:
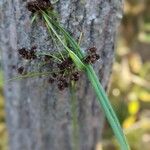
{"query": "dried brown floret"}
(34, 47)
(66, 64)
(27, 54)
(37, 5)
(54, 75)
(51, 80)
(75, 76)
(87, 59)
(20, 70)
(62, 83)
(93, 49)
(22, 51)
(92, 57)
(97, 56)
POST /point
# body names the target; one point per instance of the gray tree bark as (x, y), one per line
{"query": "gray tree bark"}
(38, 115)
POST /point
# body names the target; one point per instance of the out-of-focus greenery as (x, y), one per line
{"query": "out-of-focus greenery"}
(3, 131)
(130, 83)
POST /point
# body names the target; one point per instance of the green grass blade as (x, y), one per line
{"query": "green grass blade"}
(107, 108)
(73, 56)
(79, 64)
(29, 75)
(48, 54)
(34, 18)
(67, 36)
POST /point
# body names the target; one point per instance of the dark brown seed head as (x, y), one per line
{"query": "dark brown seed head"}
(38, 5)
(61, 66)
(47, 58)
(66, 64)
(75, 76)
(22, 51)
(61, 87)
(87, 59)
(62, 83)
(34, 47)
(32, 53)
(93, 49)
(91, 58)
(32, 6)
(20, 70)
(27, 54)
(97, 56)
(51, 80)
(54, 75)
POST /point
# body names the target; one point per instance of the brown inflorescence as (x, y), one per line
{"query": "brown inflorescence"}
(65, 75)
(28, 54)
(20, 70)
(38, 5)
(75, 76)
(51, 80)
(66, 64)
(92, 56)
(62, 83)
(62, 73)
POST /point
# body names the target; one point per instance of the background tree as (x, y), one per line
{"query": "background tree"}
(38, 115)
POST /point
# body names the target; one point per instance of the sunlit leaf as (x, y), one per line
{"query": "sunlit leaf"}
(144, 96)
(133, 107)
(129, 121)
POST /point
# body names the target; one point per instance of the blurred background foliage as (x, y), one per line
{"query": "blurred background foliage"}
(130, 82)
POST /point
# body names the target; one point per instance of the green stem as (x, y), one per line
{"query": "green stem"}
(48, 54)
(31, 75)
(51, 34)
(75, 126)
(109, 112)
(54, 31)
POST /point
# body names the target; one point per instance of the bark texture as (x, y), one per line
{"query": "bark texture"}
(38, 115)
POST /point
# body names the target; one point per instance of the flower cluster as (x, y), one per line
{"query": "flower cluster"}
(28, 54)
(92, 56)
(66, 73)
(37, 5)
(62, 72)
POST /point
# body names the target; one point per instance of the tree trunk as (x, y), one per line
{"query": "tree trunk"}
(38, 115)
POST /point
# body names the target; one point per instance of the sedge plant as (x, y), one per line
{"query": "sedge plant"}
(62, 38)
(77, 56)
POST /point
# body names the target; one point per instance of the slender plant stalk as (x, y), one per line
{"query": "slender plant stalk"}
(75, 132)
(48, 54)
(30, 75)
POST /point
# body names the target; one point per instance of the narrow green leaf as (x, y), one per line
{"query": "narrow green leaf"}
(73, 56)
(34, 18)
(79, 64)
(107, 108)
(29, 75)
